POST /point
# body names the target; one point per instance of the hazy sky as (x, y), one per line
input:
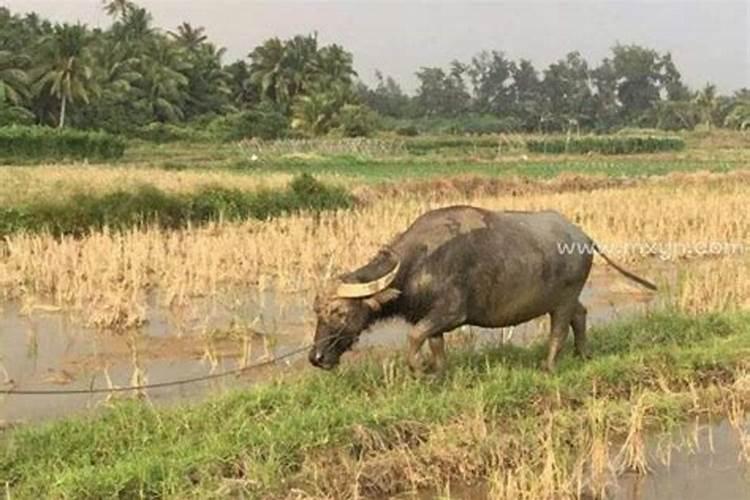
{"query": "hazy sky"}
(709, 39)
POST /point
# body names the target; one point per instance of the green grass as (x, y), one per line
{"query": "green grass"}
(121, 209)
(435, 162)
(43, 144)
(607, 145)
(267, 433)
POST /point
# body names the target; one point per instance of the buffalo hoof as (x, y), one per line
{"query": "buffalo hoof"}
(584, 355)
(547, 367)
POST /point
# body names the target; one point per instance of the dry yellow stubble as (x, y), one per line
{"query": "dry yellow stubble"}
(107, 275)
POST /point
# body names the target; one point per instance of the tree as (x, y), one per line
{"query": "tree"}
(606, 108)
(189, 38)
(66, 72)
(386, 98)
(441, 93)
(568, 92)
(117, 8)
(163, 87)
(284, 70)
(490, 74)
(707, 104)
(526, 88)
(642, 75)
(672, 80)
(14, 80)
(244, 92)
(738, 115)
(208, 90)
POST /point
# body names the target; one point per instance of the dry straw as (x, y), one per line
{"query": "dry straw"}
(107, 275)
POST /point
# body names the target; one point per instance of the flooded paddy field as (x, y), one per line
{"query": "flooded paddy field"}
(51, 351)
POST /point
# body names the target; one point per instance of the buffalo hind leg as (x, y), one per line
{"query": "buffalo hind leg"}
(437, 348)
(579, 331)
(561, 319)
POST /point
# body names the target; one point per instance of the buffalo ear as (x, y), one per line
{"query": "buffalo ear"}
(377, 301)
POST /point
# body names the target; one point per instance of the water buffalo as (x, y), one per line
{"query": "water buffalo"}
(463, 265)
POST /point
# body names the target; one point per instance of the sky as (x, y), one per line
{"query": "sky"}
(709, 39)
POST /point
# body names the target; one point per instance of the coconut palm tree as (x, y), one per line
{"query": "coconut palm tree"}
(739, 113)
(284, 69)
(188, 37)
(164, 83)
(14, 80)
(65, 72)
(14, 83)
(117, 8)
(335, 65)
(267, 72)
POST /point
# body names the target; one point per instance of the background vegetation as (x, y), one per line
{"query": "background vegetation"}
(136, 79)
(82, 213)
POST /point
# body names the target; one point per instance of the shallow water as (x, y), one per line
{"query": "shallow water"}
(43, 351)
(712, 470)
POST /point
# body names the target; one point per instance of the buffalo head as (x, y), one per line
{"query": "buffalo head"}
(344, 312)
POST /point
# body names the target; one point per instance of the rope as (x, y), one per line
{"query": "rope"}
(157, 385)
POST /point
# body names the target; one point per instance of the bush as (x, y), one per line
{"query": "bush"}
(148, 205)
(166, 132)
(469, 124)
(452, 143)
(357, 121)
(43, 143)
(608, 145)
(407, 131)
(264, 122)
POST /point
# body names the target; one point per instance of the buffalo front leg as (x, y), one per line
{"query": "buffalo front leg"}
(579, 331)
(431, 328)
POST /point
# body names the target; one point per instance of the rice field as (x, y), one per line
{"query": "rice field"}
(657, 221)
(118, 307)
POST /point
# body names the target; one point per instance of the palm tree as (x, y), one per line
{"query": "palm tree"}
(314, 113)
(335, 65)
(707, 104)
(739, 114)
(164, 82)
(13, 87)
(266, 70)
(65, 72)
(117, 8)
(14, 80)
(283, 70)
(135, 25)
(188, 37)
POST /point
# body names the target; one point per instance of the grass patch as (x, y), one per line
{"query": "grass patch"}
(18, 144)
(146, 204)
(608, 145)
(306, 433)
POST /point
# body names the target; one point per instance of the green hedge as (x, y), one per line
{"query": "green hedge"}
(43, 143)
(608, 145)
(438, 144)
(148, 205)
